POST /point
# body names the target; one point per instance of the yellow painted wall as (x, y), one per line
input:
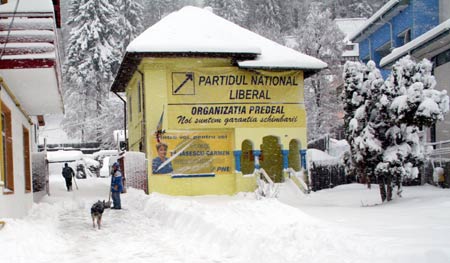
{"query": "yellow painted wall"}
(157, 74)
(256, 136)
(135, 128)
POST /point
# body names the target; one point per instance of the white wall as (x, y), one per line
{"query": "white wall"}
(443, 79)
(18, 204)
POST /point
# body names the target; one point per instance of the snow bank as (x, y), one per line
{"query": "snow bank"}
(245, 229)
(338, 147)
(318, 156)
(102, 153)
(325, 226)
(64, 156)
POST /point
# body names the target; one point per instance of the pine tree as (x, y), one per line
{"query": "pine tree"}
(266, 18)
(383, 120)
(92, 51)
(232, 10)
(353, 8)
(155, 10)
(319, 37)
(131, 24)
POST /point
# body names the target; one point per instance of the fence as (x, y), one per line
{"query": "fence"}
(40, 175)
(135, 170)
(438, 156)
(324, 176)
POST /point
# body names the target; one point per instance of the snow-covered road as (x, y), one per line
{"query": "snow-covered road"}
(327, 226)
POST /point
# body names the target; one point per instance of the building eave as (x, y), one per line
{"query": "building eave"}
(425, 46)
(131, 61)
(386, 13)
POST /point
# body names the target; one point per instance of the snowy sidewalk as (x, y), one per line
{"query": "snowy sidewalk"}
(326, 226)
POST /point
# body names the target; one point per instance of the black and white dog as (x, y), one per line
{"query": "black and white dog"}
(97, 212)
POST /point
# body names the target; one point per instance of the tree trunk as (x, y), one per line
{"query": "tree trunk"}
(389, 188)
(382, 188)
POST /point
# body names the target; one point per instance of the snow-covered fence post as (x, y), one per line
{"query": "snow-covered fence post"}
(135, 169)
(40, 173)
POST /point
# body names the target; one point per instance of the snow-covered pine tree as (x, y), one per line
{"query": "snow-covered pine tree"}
(232, 10)
(91, 52)
(353, 8)
(319, 37)
(130, 15)
(266, 18)
(362, 88)
(154, 10)
(131, 25)
(383, 130)
(112, 118)
(414, 105)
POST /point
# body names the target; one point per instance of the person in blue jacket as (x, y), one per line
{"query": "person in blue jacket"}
(116, 186)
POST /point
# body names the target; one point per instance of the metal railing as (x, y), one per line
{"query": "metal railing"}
(440, 152)
(300, 182)
(266, 187)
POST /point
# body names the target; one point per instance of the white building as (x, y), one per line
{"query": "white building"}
(348, 26)
(30, 82)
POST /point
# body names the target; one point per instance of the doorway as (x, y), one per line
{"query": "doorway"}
(271, 159)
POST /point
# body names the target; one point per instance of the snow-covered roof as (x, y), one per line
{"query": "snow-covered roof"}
(64, 156)
(30, 65)
(27, 6)
(427, 37)
(348, 26)
(196, 30)
(35, 88)
(318, 156)
(28, 23)
(386, 12)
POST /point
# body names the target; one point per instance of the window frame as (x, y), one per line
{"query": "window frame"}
(27, 159)
(7, 168)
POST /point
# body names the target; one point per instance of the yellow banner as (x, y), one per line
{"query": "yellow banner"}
(201, 152)
(230, 97)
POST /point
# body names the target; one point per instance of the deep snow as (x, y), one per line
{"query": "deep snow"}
(326, 226)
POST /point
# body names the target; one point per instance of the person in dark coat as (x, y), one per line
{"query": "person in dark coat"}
(116, 186)
(68, 173)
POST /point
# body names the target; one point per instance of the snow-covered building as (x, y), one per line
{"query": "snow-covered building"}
(223, 99)
(395, 24)
(420, 28)
(348, 26)
(30, 87)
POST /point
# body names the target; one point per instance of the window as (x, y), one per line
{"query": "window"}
(349, 47)
(7, 151)
(442, 58)
(139, 92)
(385, 49)
(130, 109)
(404, 37)
(26, 159)
(366, 59)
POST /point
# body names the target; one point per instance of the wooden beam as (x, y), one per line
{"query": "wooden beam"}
(26, 63)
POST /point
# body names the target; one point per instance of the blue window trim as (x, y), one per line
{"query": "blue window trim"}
(176, 176)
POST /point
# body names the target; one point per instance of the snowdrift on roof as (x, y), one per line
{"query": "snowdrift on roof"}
(196, 30)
